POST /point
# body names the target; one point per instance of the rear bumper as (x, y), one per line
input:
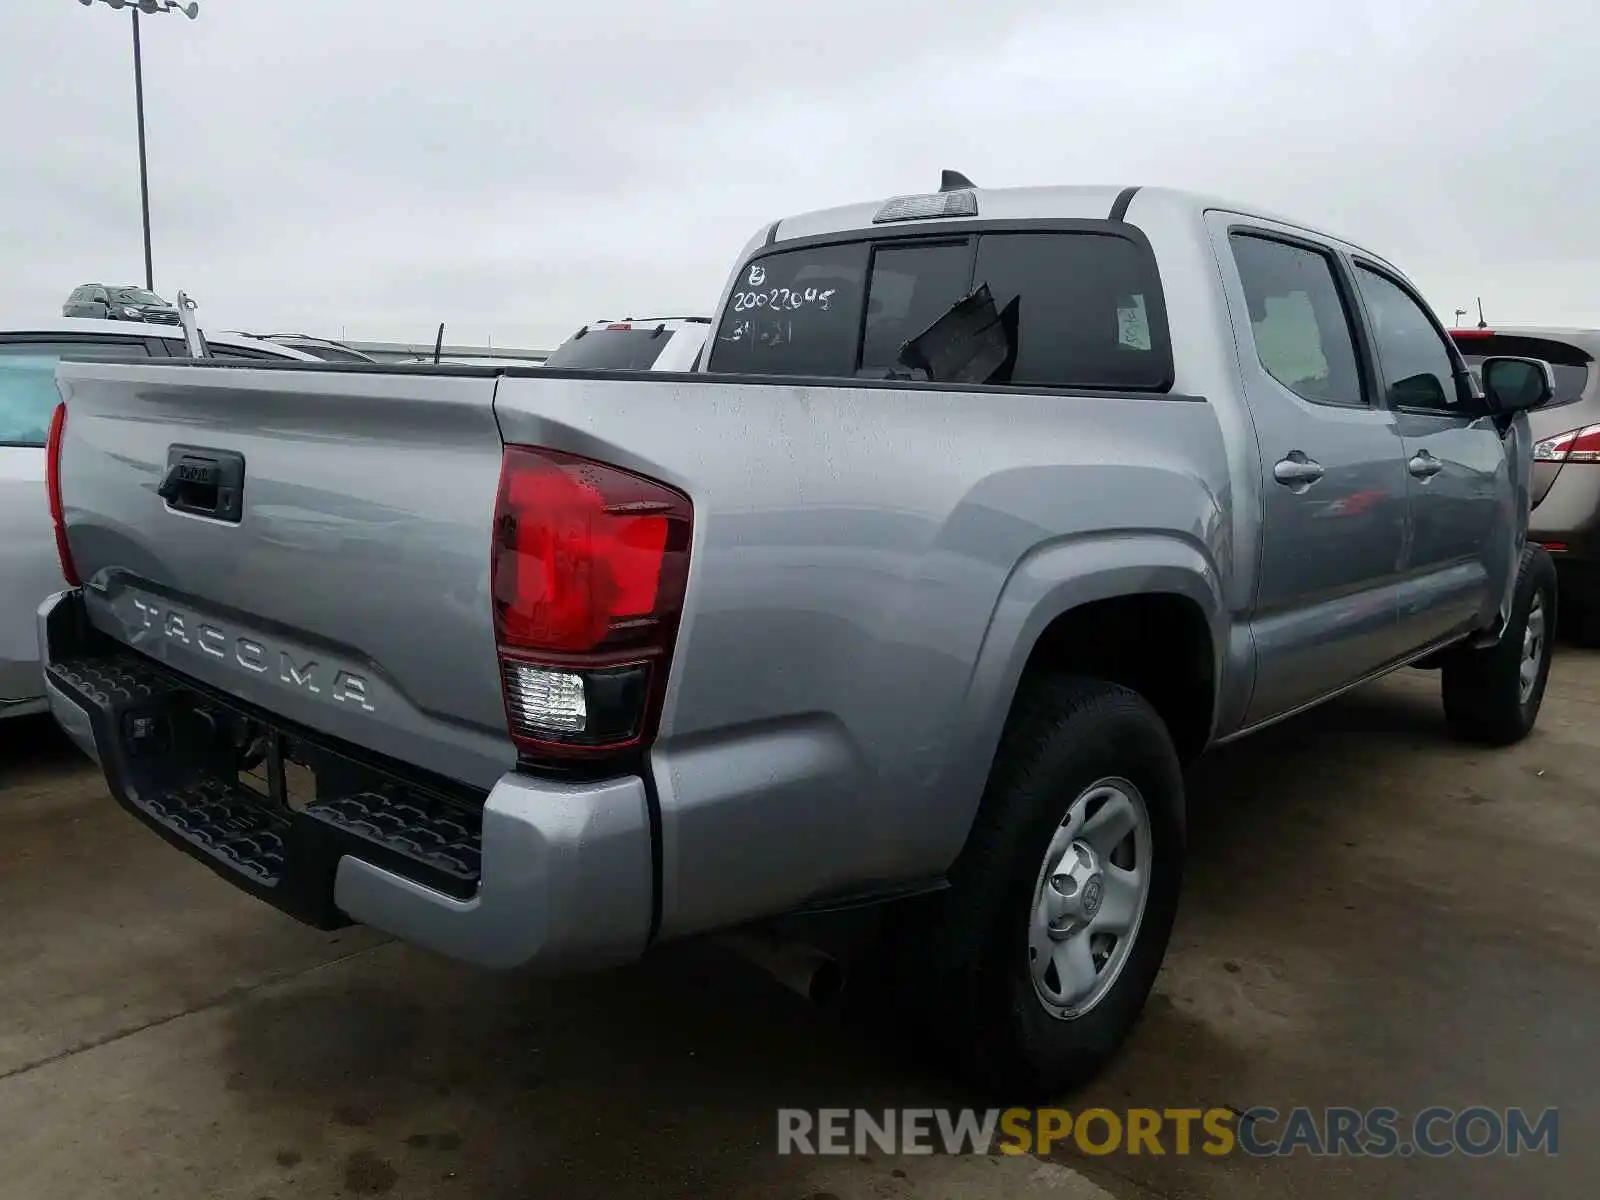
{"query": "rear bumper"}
(1568, 515)
(21, 682)
(556, 875)
(22, 708)
(1567, 523)
(1578, 578)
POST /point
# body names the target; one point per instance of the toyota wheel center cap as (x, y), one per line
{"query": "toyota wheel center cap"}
(1094, 891)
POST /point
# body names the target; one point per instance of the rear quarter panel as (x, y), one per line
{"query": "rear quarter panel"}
(869, 566)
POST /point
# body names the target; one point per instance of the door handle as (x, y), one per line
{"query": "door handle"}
(204, 482)
(1424, 465)
(1297, 471)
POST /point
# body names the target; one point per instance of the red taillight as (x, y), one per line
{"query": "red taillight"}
(52, 482)
(1574, 446)
(589, 566)
(1461, 334)
(619, 325)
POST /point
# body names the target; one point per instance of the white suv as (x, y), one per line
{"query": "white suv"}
(29, 568)
(634, 344)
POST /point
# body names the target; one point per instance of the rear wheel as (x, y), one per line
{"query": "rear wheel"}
(1059, 910)
(1493, 695)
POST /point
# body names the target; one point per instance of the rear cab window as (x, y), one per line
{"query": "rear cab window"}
(28, 394)
(611, 349)
(1570, 363)
(1087, 304)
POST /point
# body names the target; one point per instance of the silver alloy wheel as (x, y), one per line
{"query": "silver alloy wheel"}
(1089, 898)
(1533, 639)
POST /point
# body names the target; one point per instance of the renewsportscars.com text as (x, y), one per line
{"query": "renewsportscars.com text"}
(1260, 1131)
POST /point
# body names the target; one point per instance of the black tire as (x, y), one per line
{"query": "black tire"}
(972, 966)
(1482, 688)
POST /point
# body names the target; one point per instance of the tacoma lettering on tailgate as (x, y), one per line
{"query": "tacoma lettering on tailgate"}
(252, 654)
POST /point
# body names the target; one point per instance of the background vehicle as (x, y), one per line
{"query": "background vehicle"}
(29, 569)
(466, 360)
(988, 510)
(108, 302)
(323, 348)
(1566, 459)
(634, 344)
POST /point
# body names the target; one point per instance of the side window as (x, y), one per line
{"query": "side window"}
(28, 383)
(1301, 328)
(1417, 368)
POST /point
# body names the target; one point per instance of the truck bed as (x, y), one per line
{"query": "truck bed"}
(854, 545)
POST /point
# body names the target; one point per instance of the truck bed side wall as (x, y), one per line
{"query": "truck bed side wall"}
(835, 695)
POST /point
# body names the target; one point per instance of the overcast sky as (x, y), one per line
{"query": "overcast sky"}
(515, 169)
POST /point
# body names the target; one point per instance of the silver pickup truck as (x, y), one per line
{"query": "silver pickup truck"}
(985, 512)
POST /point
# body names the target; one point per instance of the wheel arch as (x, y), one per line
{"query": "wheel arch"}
(1050, 616)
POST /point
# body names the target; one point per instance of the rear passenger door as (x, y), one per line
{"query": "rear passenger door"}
(1333, 481)
(1463, 499)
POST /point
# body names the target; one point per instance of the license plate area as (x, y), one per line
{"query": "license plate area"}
(267, 768)
(320, 791)
(273, 807)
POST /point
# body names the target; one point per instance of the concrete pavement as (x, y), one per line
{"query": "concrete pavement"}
(1374, 916)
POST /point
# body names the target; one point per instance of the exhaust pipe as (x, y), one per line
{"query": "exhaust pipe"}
(806, 971)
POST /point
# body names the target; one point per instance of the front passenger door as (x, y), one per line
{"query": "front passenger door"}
(1462, 497)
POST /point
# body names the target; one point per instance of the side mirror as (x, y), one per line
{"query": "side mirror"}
(1513, 385)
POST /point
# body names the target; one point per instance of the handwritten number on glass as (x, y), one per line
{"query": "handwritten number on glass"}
(783, 299)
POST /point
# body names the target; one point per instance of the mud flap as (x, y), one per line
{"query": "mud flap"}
(1518, 442)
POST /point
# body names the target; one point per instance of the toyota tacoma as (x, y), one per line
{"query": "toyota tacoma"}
(984, 513)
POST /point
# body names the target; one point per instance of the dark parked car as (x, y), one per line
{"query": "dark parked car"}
(113, 303)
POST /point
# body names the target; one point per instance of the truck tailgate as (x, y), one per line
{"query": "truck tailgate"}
(350, 591)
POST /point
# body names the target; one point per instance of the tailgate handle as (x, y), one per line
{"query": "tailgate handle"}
(204, 483)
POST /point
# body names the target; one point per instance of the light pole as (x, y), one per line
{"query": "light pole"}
(150, 8)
